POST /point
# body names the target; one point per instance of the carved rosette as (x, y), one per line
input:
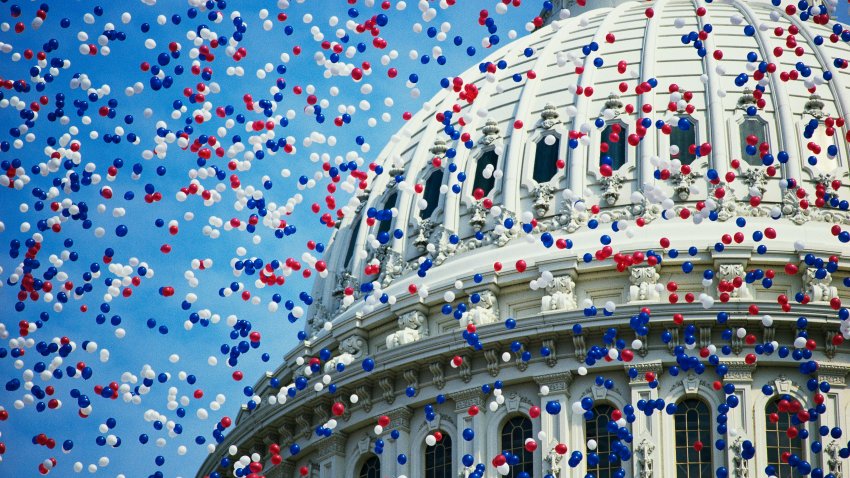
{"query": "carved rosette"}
(543, 195)
(611, 186)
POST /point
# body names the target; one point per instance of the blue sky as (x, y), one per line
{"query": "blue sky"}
(143, 346)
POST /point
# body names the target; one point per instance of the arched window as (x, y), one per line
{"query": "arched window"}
(752, 126)
(613, 145)
(432, 193)
(480, 182)
(438, 459)
(597, 429)
(514, 433)
(546, 159)
(777, 441)
(693, 424)
(371, 468)
(385, 216)
(684, 135)
(352, 240)
(815, 139)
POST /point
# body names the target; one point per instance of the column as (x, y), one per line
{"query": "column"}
(740, 418)
(646, 430)
(478, 447)
(400, 420)
(836, 375)
(556, 427)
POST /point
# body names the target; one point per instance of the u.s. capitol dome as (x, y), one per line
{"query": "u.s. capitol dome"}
(618, 165)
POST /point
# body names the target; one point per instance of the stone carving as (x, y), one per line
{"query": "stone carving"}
(642, 368)
(737, 342)
(465, 370)
(491, 132)
(829, 346)
(351, 348)
(644, 463)
(570, 219)
(303, 422)
(466, 398)
(423, 233)
(580, 347)
(704, 336)
(740, 466)
(726, 207)
(552, 358)
(792, 210)
(317, 320)
(549, 116)
(553, 461)
(364, 396)
(411, 379)
(543, 195)
(438, 374)
(388, 388)
(682, 184)
(819, 289)
(834, 462)
(644, 347)
(691, 384)
(344, 280)
(521, 364)
(392, 266)
(439, 148)
(814, 107)
(485, 311)
(674, 339)
(755, 178)
(400, 418)
(769, 333)
(560, 295)
(727, 273)
(479, 216)
(833, 373)
(493, 362)
(644, 280)
(557, 382)
(738, 371)
(611, 186)
(412, 326)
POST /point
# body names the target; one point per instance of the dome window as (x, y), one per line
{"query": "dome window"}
(753, 131)
(432, 193)
(352, 240)
(546, 159)
(683, 136)
(386, 216)
(597, 429)
(612, 149)
(485, 182)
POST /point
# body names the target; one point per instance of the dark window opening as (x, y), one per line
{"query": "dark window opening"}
(438, 459)
(546, 160)
(371, 468)
(693, 424)
(514, 434)
(432, 193)
(752, 126)
(613, 146)
(684, 135)
(480, 182)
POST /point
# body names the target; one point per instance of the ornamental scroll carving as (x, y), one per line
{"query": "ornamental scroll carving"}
(560, 295)
(645, 465)
(740, 466)
(728, 273)
(351, 349)
(644, 280)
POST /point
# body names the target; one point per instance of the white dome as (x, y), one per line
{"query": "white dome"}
(558, 102)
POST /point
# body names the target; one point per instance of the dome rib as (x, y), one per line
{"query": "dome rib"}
(716, 127)
(516, 148)
(579, 169)
(647, 70)
(779, 94)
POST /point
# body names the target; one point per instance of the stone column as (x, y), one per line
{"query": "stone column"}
(477, 448)
(740, 374)
(646, 430)
(331, 456)
(400, 420)
(835, 400)
(556, 427)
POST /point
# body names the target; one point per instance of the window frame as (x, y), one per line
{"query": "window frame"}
(605, 469)
(370, 458)
(441, 198)
(603, 138)
(696, 132)
(447, 465)
(741, 139)
(527, 458)
(783, 470)
(706, 467)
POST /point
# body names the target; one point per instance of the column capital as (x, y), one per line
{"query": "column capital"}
(557, 382)
(466, 398)
(400, 418)
(333, 445)
(654, 366)
(833, 373)
(738, 371)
